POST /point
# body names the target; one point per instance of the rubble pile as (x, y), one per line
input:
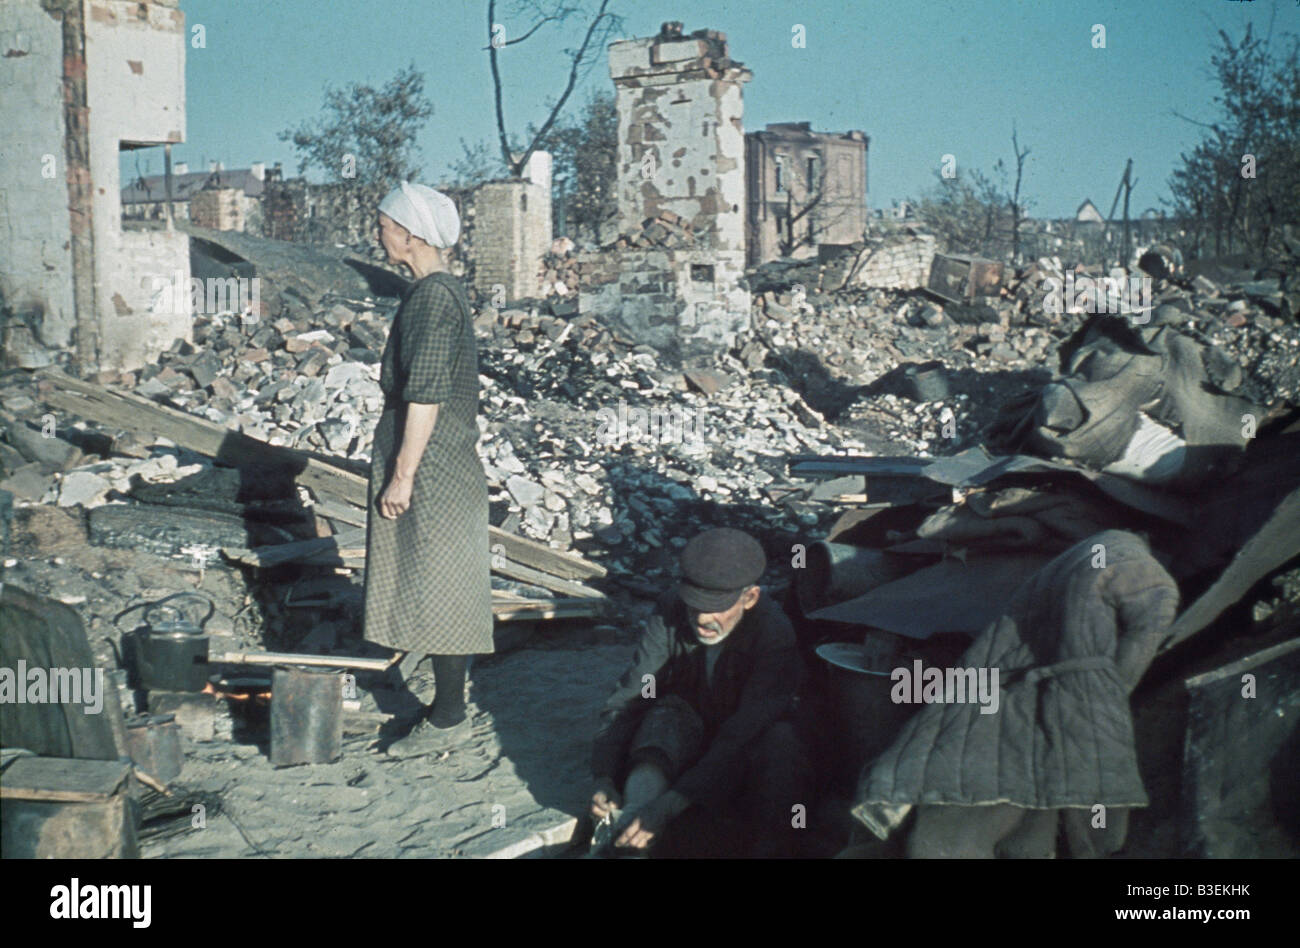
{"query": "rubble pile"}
(304, 384)
(559, 271)
(589, 441)
(666, 230)
(605, 447)
(846, 350)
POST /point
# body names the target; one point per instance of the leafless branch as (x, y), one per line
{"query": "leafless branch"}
(519, 39)
(577, 59)
(575, 66)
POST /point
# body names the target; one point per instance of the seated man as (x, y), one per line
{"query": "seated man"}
(703, 715)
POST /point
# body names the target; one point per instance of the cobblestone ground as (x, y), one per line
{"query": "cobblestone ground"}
(521, 772)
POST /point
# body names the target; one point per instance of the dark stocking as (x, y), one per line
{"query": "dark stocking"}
(449, 673)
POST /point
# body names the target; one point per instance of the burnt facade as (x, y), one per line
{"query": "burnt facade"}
(681, 150)
(804, 189)
(86, 80)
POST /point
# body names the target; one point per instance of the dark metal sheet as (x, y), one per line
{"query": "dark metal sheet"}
(1241, 783)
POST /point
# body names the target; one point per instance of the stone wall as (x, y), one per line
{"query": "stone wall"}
(135, 81)
(899, 262)
(681, 145)
(35, 236)
(684, 303)
(681, 148)
(134, 88)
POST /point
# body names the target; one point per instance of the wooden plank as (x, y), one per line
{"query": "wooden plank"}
(533, 609)
(136, 413)
(337, 510)
(298, 551)
(565, 587)
(336, 550)
(540, 556)
(328, 480)
(325, 552)
(63, 779)
(290, 658)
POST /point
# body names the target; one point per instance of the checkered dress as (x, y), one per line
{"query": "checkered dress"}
(427, 582)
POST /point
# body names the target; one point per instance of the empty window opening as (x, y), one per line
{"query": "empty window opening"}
(701, 273)
(142, 175)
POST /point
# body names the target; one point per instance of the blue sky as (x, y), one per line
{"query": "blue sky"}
(923, 78)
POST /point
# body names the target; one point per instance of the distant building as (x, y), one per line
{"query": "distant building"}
(1088, 214)
(216, 198)
(805, 188)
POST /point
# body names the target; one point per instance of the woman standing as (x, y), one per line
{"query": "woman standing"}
(427, 560)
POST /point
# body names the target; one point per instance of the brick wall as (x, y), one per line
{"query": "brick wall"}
(684, 303)
(901, 262)
(512, 231)
(218, 208)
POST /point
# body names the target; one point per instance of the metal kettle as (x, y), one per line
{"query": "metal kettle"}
(172, 650)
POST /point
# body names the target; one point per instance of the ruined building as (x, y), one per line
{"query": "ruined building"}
(681, 156)
(217, 198)
(85, 80)
(512, 229)
(805, 189)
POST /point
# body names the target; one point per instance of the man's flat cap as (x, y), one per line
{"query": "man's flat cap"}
(717, 566)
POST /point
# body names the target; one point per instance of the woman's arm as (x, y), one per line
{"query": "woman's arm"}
(420, 419)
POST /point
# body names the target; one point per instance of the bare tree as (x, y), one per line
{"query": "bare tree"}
(600, 28)
(968, 213)
(1126, 185)
(1017, 211)
(812, 204)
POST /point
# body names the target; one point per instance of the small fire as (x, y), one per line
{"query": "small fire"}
(211, 689)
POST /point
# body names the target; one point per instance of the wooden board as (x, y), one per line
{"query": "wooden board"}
(532, 609)
(326, 551)
(291, 658)
(327, 478)
(63, 779)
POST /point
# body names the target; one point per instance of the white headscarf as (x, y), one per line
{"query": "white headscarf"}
(426, 213)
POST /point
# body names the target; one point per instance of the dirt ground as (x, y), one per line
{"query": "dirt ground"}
(521, 773)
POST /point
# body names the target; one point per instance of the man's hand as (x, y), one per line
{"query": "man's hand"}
(396, 499)
(651, 820)
(604, 800)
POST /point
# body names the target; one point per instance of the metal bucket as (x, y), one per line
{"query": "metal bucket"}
(926, 382)
(306, 716)
(154, 744)
(866, 720)
(838, 572)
